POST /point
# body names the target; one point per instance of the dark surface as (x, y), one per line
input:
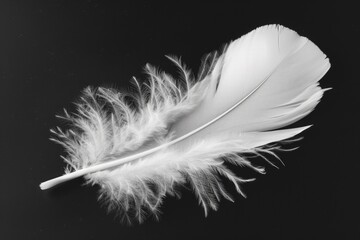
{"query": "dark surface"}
(51, 50)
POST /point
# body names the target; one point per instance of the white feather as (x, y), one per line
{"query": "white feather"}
(140, 150)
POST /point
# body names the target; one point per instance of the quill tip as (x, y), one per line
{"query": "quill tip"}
(42, 187)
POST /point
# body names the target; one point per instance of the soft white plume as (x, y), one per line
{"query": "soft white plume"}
(139, 148)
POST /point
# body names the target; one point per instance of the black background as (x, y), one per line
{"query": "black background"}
(51, 50)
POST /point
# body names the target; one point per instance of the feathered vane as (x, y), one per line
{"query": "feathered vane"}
(139, 147)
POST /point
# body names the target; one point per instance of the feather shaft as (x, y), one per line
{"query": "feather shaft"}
(100, 167)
